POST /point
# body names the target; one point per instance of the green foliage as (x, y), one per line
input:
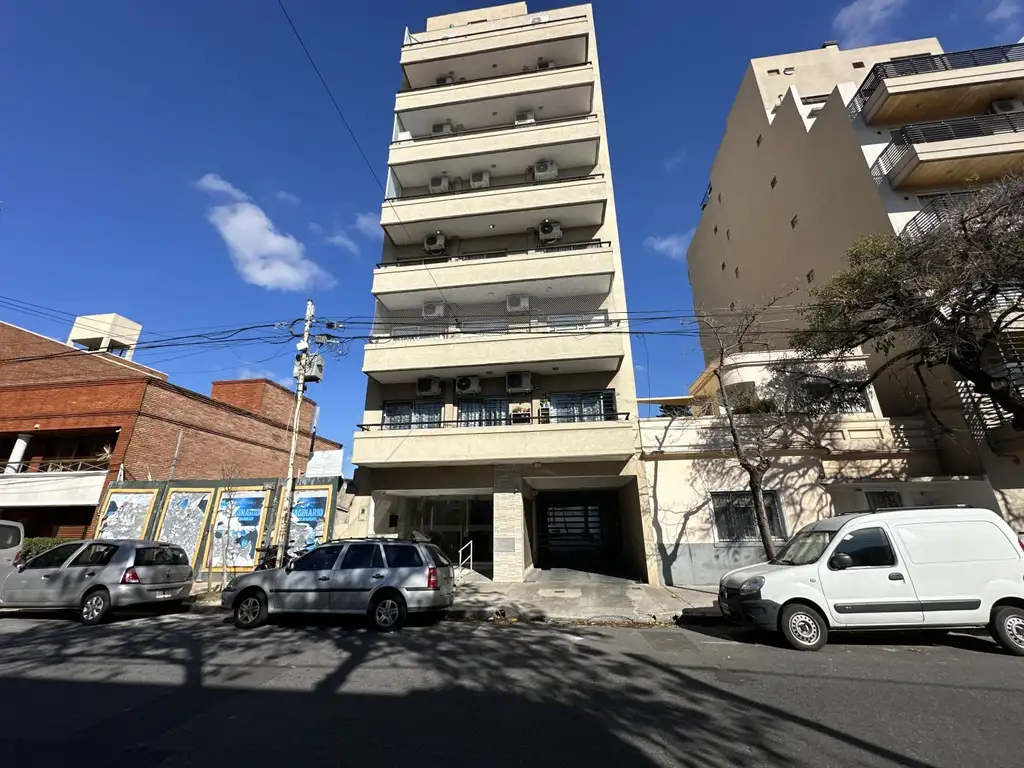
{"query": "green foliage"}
(32, 547)
(673, 411)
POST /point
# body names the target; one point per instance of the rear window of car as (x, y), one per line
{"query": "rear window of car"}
(160, 556)
(437, 555)
(402, 556)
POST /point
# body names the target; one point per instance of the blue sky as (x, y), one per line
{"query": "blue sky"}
(135, 133)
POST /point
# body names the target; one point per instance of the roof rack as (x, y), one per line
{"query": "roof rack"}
(904, 509)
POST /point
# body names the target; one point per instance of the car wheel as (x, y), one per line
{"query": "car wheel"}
(95, 606)
(388, 611)
(1008, 628)
(251, 609)
(803, 627)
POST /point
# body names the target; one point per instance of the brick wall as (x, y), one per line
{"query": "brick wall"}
(265, 398)
(509, 522)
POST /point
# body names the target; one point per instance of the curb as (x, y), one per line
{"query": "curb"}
(702, 617)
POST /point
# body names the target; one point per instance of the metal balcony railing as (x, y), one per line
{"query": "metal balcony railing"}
(56, 465)
(519, 184)
(572, 324)
(934, 213)
(511, 419)
(706, 199)
(561, 248)
(920, 65)
(527, 73)
(457, 134)
(946, 130)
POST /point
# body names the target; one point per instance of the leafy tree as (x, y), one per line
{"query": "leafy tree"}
(947, 298)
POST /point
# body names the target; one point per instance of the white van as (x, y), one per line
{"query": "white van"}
(928, 568)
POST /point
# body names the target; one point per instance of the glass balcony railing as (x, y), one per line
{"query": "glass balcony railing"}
(498, 254)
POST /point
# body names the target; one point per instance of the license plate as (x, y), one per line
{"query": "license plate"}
(164, 593)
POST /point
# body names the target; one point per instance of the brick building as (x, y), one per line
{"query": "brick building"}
(71, 421)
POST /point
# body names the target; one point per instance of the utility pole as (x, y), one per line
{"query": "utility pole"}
(302, 361)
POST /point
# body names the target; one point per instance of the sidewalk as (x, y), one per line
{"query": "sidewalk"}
(701, 604)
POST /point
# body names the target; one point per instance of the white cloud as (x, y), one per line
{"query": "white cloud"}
(865, 22)
(287, 197)
(215, 184)
(1004, 10)
(675, 160)
(369, 225)
(673, 246)
(342, 240)
(639, 367)
(245, 372)
(315, 228)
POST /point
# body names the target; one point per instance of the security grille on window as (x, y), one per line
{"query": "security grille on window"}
(567, 407)
(483, 412)
(424, 414)
(735, 519)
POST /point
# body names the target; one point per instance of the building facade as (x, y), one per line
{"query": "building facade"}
(825, 146)
(73, 420)
(500, 400)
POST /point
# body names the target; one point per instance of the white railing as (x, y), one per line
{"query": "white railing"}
(467, 557)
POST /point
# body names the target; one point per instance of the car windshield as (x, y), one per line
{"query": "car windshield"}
(804, 548)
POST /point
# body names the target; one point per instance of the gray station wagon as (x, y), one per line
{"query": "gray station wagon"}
(98, 575)
(383, 579)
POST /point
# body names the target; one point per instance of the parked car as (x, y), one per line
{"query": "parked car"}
(383, 579)
(11, 536)
(927, 568)
(97, 576)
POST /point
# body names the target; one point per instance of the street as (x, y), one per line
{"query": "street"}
(191, 690)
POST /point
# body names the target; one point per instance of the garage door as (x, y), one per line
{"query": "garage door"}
(579, 531)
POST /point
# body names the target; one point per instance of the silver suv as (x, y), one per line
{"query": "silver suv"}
(382, 578)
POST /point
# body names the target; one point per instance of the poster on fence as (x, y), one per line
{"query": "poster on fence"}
(125, 514)
(182, 520)
(309, 517)
(237, 529)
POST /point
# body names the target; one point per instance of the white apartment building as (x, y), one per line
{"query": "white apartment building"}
(500, 403)
(824, 146)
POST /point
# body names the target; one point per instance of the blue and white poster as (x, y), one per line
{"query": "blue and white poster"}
(236, 531)
(309, 517)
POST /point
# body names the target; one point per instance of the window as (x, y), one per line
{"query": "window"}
(723, 266)
(858, 65)
(868, 547)
(439, 557)
(716, 229)
(883, 499)
(735, 519)
(402, 556)
(320, 559)
(775, 180)
(719, 198)
(810, 276)
(417, 414)
(728, 234)
(362, 556)
(568, 407)
(10, 536)
(737, 271)
(160, 556)
(789, 70)
(483, 412)
(53, 558)
(794, 221)
(759, 139)
(94, 554)
(815, 112)
(773, 71)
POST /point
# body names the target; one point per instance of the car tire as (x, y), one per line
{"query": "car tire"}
(251, 609)
(95, 607)
(1007, 628)
(388, 611)
(803, 627)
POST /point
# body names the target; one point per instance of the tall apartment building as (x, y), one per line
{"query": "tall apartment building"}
(824, 146)
(500, 396)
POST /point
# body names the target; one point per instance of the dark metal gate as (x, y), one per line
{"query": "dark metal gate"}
(579, 531)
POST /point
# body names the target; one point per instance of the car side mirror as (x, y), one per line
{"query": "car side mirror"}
(21, 567)
(840, 562)
(289, 566)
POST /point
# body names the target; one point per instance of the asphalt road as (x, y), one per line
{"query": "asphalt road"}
(190, 690)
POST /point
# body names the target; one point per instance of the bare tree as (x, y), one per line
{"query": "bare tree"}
(227, 472)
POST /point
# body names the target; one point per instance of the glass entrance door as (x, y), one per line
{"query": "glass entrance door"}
(456, 522)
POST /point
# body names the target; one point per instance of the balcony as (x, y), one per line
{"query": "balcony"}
(571, 142)
(529, 439)
(935, 212)
(52, 482)
(494, 52)
(558, 92)
(946, 85)
(575, 201)
(565, 269)
(563, 343)
(948, 153)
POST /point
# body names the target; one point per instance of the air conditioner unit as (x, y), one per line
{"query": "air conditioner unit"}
(480, 179)
(467, 385)
(433, 308)
(438, 184)
(518, 382)
(441, 129)
(428, 387)
(545, 170)
(445, 80)
(545, 64)
(549, 232)
(517, 304)
(525, 118)
(539, 19)
(1005, 106)
(434, 244)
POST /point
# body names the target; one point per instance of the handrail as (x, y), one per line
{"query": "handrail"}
(924, 64)
(492, 128)
(452, 38)
(469, 557)
(516, 185)
(511, 419)
(565, 247)
(495, 77)
(498, 328)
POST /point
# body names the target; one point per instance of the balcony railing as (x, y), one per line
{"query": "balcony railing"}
(499, 421)
(946, 130)
(515, 185)
(56, 465)
(452, 36)
(489, 78)
(492, 128)
(921, 65)
(934, 213)
(706, 199)
(570, 324)
(562, 248)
